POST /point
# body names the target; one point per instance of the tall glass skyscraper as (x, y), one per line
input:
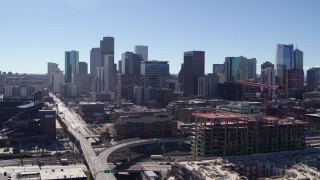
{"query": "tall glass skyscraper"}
(313, 79)
(298, 59)
(284, 61)
(71, 64)
(192, 69)
(240, 68)
(155, 74)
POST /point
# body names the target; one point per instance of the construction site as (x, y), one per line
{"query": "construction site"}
(230, 134)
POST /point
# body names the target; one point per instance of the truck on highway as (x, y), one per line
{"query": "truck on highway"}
(64, 161)
(156, 157)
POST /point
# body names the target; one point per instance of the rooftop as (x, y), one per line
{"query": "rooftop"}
(210, 169)
(219, 115)
(147, 119)
(61, 173)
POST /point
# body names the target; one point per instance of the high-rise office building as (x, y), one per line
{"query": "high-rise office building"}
(69, 90)
(193, 68)
(2, 80)
(106, 48)
(95, 61)
(52, 67)
(119, 67)
(217, 68)
(57, 79)
(83, 68)
(267, 64)
(125, 87)
(71, 64)
(313, 79)
(268, 76)
(154, 74)
(284, 61)
(298, 59)
(109, 73)
(208, 85)
(240, 68)
(100, 73)
(142, 50)
(96, 85)
(83, 80)
(294, 82)
(131, 65)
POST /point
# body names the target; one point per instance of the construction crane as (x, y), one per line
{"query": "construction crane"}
(265, 87)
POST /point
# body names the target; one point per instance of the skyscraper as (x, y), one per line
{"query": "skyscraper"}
(240, 68)
(52, 67)
(154, 74)
(193, 68)
(95, 61)
(294, 81)
(267, 64)
(217, 68)
(142, 50)
(109, 73)
(298, 59)
(284, 61)
(208, 85)
(106, 48)
(268, 76)
(83, 68)
(83, 80)
(120, 67)
(57, 79)
(71, 64)
(313, 79)
(131, 65)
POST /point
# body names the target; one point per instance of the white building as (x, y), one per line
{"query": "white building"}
(268, 76)
(19, 92)
(142, 50)
(242, 107)
(52, 68)
(57, 79)
(109, 73)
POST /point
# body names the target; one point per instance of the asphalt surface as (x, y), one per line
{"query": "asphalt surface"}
(98, 162)
(77, 127)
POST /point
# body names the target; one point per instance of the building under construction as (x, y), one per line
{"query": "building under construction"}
(226, 134)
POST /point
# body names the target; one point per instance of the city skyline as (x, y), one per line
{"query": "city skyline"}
(38, 34)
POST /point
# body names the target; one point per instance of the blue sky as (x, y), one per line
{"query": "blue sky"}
(35, 32)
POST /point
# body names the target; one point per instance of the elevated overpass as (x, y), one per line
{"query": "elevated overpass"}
(92, 136)
(102, 157)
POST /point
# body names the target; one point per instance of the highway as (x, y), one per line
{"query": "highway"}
(147, 166)
(77, 127)
(135, 142)
(98, 162)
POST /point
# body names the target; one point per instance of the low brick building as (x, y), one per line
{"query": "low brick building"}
(144, 127)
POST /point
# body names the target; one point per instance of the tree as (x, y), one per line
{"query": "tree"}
(169, 173)
(106, 134)
(7, 144)
(113, 118)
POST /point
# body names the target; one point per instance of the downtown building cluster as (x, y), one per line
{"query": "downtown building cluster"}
(136, 79)
(252, 114)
